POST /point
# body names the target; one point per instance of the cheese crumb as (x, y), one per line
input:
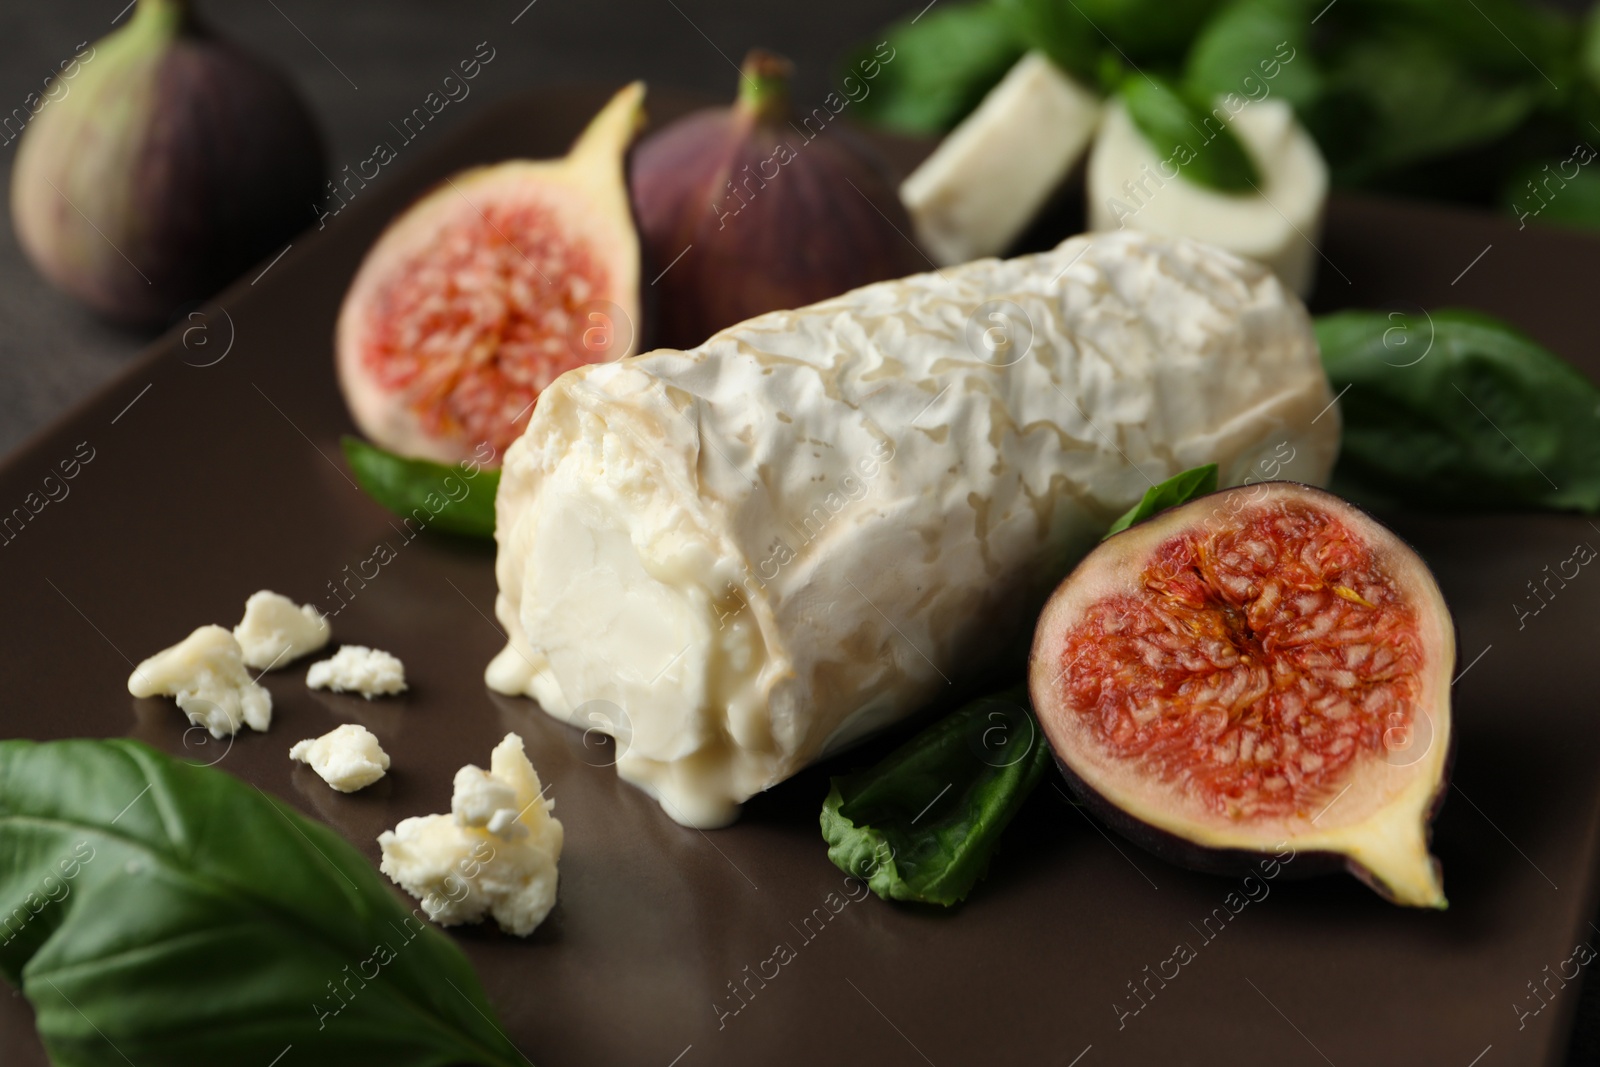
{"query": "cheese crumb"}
(357, 669)
(205, 672)
(348, 757)
(275, 630)
(495, 853)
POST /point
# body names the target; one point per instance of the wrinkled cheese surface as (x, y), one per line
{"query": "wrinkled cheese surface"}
(275, 631)
(358, 669)
(206, 673)
(494, 854)
(347, 757)
(738, 558)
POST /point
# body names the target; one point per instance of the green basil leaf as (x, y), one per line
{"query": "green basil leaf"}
(1204, 149)
(923, 823)
(1256, 49)
(1146, 33)
(1560, 192)
(1060, 32)
(924, 75)
(457, 499)
(167, 914)
(1525, 41)
(1178, 489)
(1589, 49)
(1395, 101)
(1455, 409)
(1410, 83)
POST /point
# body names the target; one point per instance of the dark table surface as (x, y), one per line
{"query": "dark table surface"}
(361, 64)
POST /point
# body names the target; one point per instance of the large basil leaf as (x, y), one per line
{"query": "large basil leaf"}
(1589, 49)
(457, 499)
(923, 823)
(1143, 32)
(1184, 130)
(167, 915)
(1396, 100)
(1414, 82)
(1525, 40)
(1256, 49)
(930, 71)
(1556, 192)
(1459, 410)
(1178, 489)
(1060, 32)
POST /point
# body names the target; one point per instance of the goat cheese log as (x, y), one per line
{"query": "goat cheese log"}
(741, 557)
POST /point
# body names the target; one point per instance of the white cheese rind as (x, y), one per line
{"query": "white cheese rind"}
(1130, 186)
(276, 631)
(495, 854)
(348, 757)
(737, 558)
(976, 193)
(358, 669)
(205, 672)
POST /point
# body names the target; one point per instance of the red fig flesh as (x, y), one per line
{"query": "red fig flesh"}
(171, 162)
(1262, 666)
(751, 208)
(488, 288)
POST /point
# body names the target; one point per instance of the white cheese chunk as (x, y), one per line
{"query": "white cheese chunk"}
(275, 630)
(206, 673)
(1131, 186)
(347, 758)
(358, 669)
(495, 854)
(739, 558)
(990, 176)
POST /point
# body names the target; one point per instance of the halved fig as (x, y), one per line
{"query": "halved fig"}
(488, 288)
(1263, 668)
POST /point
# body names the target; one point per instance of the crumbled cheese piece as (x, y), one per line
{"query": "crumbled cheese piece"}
(357, 669)
(479, 796)
(205, 672)
(348, 757)
(495, 854)
(275, 630)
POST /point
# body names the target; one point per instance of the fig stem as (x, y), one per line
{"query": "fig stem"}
(764, 86)
(167, 12)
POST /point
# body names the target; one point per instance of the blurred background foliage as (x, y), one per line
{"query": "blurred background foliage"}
(1485, 102)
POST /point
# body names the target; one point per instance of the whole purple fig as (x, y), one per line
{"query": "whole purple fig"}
(751, 208)
(173, 162)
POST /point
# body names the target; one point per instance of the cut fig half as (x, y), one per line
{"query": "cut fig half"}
(484, 291)
(1260, 670)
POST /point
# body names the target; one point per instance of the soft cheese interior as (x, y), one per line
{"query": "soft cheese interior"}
(737, 558)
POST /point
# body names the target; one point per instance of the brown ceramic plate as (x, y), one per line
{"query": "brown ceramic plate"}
(216, 472)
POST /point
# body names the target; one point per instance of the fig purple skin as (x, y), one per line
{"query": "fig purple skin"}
(1296, 863)
(749, 209)
(174, 161)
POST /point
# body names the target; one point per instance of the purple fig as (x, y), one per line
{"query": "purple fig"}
(750, 208)
(174, 162)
